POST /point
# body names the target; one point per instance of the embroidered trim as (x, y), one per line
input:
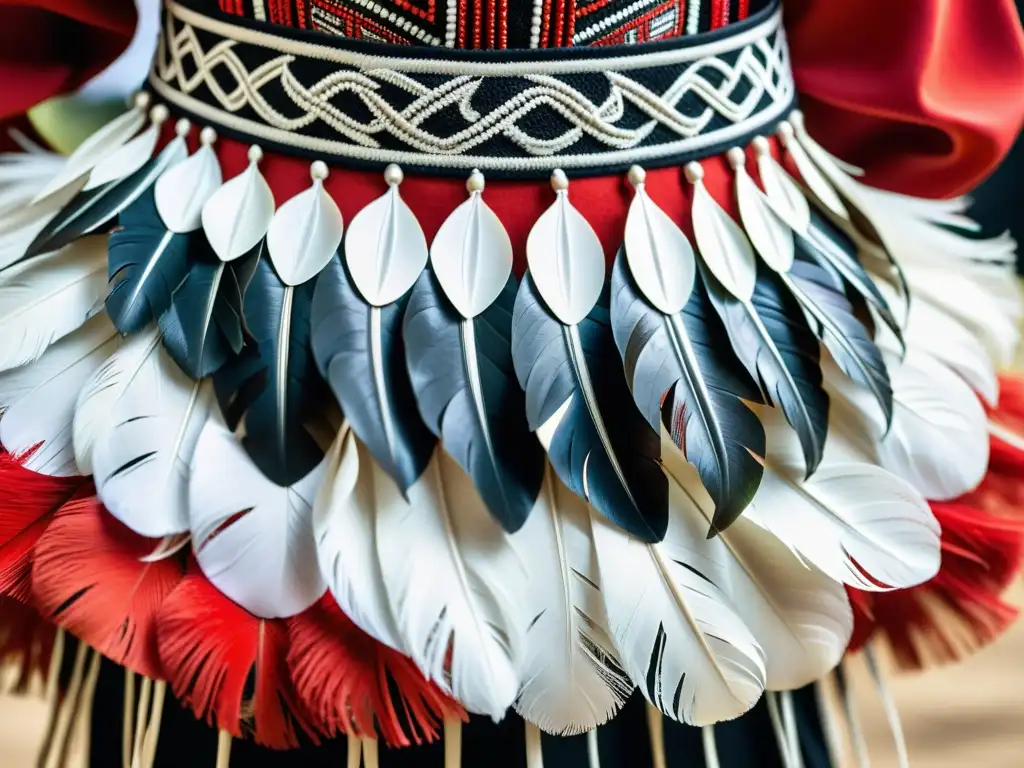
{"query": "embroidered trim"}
(519, 114)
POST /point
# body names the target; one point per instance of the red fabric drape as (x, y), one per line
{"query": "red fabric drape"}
(926, 95)
(50, 47)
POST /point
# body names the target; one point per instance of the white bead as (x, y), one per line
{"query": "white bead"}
(559, 181)
(318, 170)
(159, 114)
(694, 172)
(207, 136)
(393, 174)
(475, 182)
(182, 127)
(255, 153)
(785, 131)
(142, 99)
(636, 175)
(761, 146)
(736, 157)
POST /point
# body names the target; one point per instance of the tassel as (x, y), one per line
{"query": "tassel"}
(346, 681)
(228, 666)
(89, 578)
(28, 501)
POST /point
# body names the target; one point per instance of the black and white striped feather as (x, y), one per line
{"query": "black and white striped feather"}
(359, 351)
(684, 375)
(578, 402)
(466, 388)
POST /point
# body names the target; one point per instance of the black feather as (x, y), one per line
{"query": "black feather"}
(683, 373)
(273, 389)
(467, 392)
(772, 339)
(370, 382)
(89, 211)
(834, 322)
(602, 448)
(204, 326)
(146, 264)
(835, 250)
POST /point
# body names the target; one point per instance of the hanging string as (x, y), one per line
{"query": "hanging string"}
(223, 749)
(860, 747)
(152, 737)
(370, 756)
(892, 714)
(792, 731)
(707, 734)
(141, 712)
(52, 757)
(656, 730)
(823, 696)
(452, 742)
(593, 753)
(52, 693)
(127, 718)
(355, 752)
(534, 753)
(781, 739)
(83, 721)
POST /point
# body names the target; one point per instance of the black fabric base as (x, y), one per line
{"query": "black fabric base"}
(747, 742)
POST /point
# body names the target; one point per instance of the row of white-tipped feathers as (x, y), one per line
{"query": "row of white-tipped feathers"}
(547, 619)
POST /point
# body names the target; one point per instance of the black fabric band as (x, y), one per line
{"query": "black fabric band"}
(510, 113)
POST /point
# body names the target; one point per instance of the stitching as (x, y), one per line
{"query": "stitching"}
(760, 73)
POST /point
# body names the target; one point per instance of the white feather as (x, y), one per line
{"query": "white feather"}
(819, 171)
(472, 256)
(344, 526)
(455, 583)
(566, 261)
(931, 331)
(304, 235)
(20, 226)
(141, 462)
(938, 441)
(91, 151)
(677, 633)
(783, 192)
(253, 539)
(125, 160)
(722, 245)
(985, 300)
(385, 249)
(237, 216)
(800, 617)
(22, 175)
(39, 398)
(853, 520)
(99, 398)
(182, 191)
(660, 257)
(44, 299)
(572, 682)
(771, 236)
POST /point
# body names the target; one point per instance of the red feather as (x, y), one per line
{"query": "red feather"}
(88, 577)
(27, 503)
(346, 679)
(962, 609)
(229, 666)
(26, 641)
